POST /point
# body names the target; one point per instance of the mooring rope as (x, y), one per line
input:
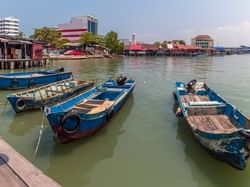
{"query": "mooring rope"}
(39, 138)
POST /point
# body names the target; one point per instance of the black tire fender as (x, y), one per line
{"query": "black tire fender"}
(71, 116)
(20, 104)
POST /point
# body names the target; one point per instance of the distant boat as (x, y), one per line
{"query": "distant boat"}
(84, 114)
(221, 128)
(20, 80)
(48, 95)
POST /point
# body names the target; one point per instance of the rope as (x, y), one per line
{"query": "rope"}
(39, 138)
(4, 108)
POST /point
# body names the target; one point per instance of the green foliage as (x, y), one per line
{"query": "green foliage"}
(21, 35)
(158, 44)
(112, 42)
(48, 35)
(182, 42)
(164, 44)
(60, 43)
(88, 38)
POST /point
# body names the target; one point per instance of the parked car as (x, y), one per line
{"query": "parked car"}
(73, 52)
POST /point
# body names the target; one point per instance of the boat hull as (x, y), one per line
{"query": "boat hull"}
(18, 82)
(232, 150)
(219, 127)
(32, 103)
(87, 127)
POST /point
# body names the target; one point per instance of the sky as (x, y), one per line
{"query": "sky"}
(226, 21)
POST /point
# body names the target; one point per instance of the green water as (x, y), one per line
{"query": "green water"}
(144, 145)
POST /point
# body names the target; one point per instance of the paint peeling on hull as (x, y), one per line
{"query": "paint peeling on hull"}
(231, 151)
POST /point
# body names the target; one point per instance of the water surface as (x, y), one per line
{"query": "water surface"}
(144, 145)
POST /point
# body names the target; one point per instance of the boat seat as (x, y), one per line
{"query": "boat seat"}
(92, 101)
(214, 123)
(194, 98)
(79, 110)
(205, 104)
(95, 106)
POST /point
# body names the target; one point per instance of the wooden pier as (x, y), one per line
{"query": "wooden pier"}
(16, 171)
(23, 63)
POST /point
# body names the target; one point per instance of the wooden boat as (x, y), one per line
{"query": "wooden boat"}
(48, 95)
(221, 128)
(84, 114)
(20, 80)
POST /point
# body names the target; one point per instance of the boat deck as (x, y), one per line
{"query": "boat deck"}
(53, 90)
(219, 123)
(194, 98)
(207, 118)
(93, 106)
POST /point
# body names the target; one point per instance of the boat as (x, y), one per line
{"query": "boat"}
(21, 80)
(85, 114)
(221, 128)
(48, 95)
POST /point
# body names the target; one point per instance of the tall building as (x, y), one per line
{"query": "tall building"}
(77, 26)
(9, 26)
(203, 41)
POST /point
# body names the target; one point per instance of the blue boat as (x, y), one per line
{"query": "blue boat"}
(221, 128)
(48, 95)
(21, 80)
(86, 113)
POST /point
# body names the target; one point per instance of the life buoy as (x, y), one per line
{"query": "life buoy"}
(71, 123)
(179, 112)
(20, 104)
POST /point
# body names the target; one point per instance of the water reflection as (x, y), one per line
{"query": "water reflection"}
(19, 125)
(204, 167)
(82, 155)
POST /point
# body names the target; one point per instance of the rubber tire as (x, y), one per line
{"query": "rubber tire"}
(68, 116)
(20, 104)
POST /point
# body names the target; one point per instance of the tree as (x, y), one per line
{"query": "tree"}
(48, 35)
(182, 42)
(87, 38)
(158, 44)
(164, 44)
(112, 42)
(21, 35)
(60, 43)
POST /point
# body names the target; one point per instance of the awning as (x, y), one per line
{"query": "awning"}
(72, 44)
(3, 40)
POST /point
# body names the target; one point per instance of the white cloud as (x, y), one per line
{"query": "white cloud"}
(225, 35)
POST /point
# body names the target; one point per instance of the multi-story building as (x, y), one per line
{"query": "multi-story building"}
(9, 26)
(77, 26)
(203, 41)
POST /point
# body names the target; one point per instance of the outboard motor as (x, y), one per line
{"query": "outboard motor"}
(121, 80)
(61, 69)
(191, 84)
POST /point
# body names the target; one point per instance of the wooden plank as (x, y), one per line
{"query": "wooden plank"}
(8, 177)
(28, 174)
(218, 123)
(194, 98)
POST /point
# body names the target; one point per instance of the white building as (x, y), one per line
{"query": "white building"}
(9, 26)
(77, 26)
